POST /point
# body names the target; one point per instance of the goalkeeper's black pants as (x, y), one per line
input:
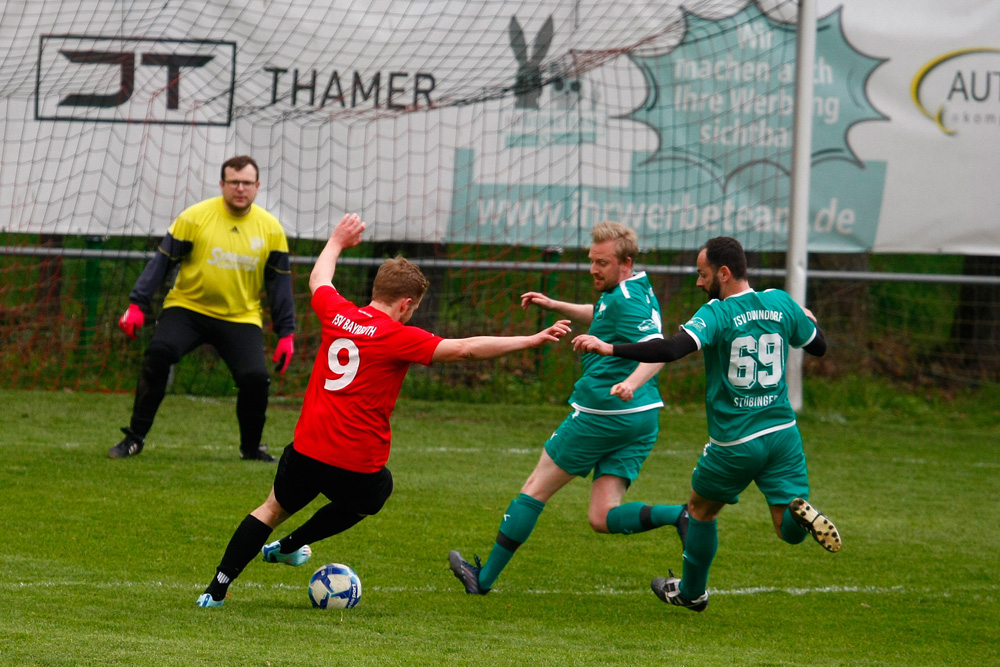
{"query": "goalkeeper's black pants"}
(241, 346)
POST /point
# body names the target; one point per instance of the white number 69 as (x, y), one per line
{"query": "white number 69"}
(743, 368)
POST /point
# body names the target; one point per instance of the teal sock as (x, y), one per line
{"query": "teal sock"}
(792, 532)
(518, 522)
(639, 517)
(699, 550)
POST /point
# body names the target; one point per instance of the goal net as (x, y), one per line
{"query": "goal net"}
(483, 140)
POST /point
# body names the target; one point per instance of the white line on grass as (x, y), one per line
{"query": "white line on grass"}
(952, 464)
(599, 590)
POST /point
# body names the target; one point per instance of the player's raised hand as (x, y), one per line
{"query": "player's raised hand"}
(623, 391)
(348, 231)
(553, 333)
(536, 298)
(588, 343)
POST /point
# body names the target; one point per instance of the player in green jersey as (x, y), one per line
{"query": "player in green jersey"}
(603, 434)
(753, 436)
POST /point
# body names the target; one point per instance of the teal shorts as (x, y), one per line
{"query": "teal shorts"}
(605, 444)
(775, 462)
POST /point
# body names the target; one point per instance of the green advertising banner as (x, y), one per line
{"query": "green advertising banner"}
(721, 104)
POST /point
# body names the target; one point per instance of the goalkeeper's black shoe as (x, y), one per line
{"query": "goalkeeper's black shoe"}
(668, 589)
(259, 454)
(818, 525)
(467, 573)
(130, 445)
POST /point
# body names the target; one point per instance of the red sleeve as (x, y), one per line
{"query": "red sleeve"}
(326, 300)
(414, 345)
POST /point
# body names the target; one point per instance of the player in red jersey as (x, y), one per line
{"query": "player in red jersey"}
(342, 438)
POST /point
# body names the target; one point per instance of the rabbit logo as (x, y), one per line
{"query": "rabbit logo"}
(528, 80)
(566, 92)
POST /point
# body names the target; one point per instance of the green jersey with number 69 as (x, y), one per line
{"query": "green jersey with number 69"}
(629, 313)
(745, 339)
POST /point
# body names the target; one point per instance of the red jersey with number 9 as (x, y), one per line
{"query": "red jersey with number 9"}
(355, 381)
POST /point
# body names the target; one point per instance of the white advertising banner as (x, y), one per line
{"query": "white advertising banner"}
(482, 122)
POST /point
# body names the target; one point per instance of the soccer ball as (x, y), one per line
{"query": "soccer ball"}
(334, 586)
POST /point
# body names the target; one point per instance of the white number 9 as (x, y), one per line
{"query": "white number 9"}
(346, 371)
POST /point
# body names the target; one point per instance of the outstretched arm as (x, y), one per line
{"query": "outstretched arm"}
(488, 347)
(580, 312)
(652, 352)
(679, 345)
(640, 376)
(346, 234)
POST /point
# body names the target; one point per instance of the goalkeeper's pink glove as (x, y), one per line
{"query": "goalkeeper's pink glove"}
(132, 320)
(283, 353)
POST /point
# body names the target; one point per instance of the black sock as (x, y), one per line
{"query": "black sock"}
(326, 522)
(220, 585)
(243, 547)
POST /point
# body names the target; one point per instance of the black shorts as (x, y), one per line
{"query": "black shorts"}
(241, 345)
(300, 478)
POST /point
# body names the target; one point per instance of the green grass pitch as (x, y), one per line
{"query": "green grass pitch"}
(103, 559)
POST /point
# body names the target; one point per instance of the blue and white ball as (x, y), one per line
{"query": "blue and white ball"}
(335, 586)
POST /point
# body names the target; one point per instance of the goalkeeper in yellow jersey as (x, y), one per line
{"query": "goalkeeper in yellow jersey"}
(227, 249)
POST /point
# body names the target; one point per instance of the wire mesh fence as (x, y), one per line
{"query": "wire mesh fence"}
(915, 320)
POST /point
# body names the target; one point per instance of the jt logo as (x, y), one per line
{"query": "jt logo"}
(135, 80)
(126, 61)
